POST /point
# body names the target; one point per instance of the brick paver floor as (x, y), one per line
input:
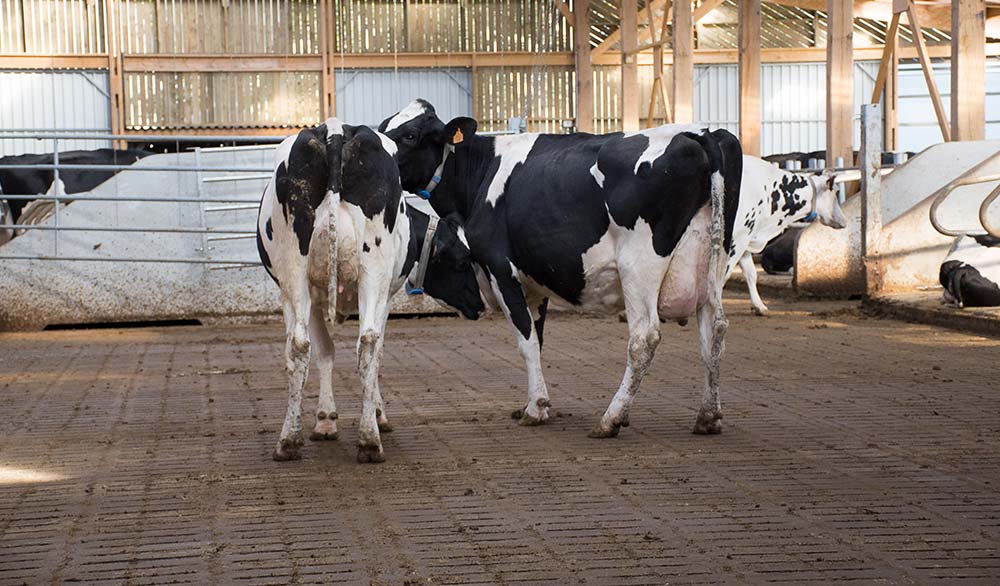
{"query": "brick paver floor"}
(854, 449)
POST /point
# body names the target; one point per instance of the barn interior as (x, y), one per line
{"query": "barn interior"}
(143, 377)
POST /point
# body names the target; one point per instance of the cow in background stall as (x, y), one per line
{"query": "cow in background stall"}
(771, 200)
(640, 220)
(334, 233)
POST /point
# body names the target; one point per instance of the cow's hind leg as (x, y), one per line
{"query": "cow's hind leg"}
(326, 410)
(644, 337)
(380, 415)
(712, 327)
(750, 273)
(296, 305)
(373, 311)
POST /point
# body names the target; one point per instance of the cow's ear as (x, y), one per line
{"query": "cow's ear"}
(385, 124)
(460, 130)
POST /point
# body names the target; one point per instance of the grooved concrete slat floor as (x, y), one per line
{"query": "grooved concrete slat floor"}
(854, 449)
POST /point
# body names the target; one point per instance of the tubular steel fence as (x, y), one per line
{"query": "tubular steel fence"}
(198, 198)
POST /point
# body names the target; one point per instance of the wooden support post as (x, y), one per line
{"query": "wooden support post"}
(584, 69)
(116, 87)
(683, 66)
(891, 106)
(328, 107)
(871, 191)
(630, 66)
(749, 67)
(659, 92)
(925, 64)
(839, 82)
(888, 57)
(968, 69)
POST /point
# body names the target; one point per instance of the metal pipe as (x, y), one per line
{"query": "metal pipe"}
(246, 236)
(198, 261)
(74, 197)
(234, 177)
(116, 229)
(984, 208)
(966, 179)
(55, 186)
(235, 208)
(196, 169)
(147, 138)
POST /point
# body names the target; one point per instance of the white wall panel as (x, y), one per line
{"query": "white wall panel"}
(34, 102)
(368, 96)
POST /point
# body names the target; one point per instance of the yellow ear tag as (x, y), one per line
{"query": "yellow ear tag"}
(459, 137)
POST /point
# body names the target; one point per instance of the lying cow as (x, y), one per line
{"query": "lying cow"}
(970, 274)
(596, 222)
(342, 180)
(771, 200)
(42, 181)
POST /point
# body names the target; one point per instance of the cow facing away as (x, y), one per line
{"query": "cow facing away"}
(342, 180)
(771, 200)
(595, 223)
(970, 274)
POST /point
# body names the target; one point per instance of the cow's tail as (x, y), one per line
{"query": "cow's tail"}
(334, 158)
(717, 199)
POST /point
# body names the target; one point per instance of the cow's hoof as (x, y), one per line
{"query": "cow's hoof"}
(527, 418)
(368, 454)
(708, 423)
(385, 426)
(602, 431)
(288, 448)
(761, 312)
(325, 429)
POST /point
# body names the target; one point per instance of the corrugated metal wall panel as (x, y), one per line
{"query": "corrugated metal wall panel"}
(62, 101)
(918, 127)
(716, 96)
(793, 102)
(793, 107)
(368, 96)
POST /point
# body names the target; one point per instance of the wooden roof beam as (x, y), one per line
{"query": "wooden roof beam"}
(657, 5)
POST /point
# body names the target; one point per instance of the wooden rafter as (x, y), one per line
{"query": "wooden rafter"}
(564, 8)
(644, 35)
(925, 64)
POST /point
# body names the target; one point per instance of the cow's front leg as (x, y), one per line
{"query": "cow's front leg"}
(526, 322)
(750, 273)
(326, 410)
(712, 325)
(296, 309)
(643, 338)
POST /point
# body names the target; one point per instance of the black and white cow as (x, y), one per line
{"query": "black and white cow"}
(41, 181)
(594, 222)
(341, 181)
(970, 274)
(771, 200)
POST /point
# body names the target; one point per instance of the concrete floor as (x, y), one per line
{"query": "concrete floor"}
(854, 449)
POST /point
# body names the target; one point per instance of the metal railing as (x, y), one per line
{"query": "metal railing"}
(234, 203)
(970, 177)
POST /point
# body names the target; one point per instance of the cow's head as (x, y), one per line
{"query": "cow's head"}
(421, 138)
(450, 276)
(826, 204)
